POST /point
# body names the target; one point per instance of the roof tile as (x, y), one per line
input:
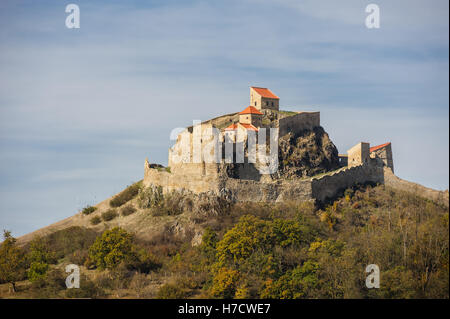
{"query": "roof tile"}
(265, 92)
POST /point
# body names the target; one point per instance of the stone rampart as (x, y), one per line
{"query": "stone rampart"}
(299, 122)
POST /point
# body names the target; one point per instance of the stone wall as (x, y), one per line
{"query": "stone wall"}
(330, 185)
(299, 122)
(275, 191)
(393, 181)
(319, 188)
(358, 154)
(196, 177)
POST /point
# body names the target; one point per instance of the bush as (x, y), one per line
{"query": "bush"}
(95, 220)
(171, 203)
(126, 195)
(64, 242)
(50, 286)
(87, 289)
(37, 271)
(89, 210)
(79, 257)
(225, 283)
(128, 210)
(111, 248)
(169, 291)
(143, 261)
(109, 215)
(150, 197)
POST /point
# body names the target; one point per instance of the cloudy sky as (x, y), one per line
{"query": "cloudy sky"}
(80, 109)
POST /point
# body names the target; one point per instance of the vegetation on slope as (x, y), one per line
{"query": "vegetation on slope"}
(251, 250)
(126, 195)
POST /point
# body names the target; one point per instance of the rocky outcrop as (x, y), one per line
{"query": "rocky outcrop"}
(309, 153)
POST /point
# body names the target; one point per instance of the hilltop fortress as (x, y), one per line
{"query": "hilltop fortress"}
(227, 155)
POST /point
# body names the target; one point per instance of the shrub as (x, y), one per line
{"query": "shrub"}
(49, 286)
(128, 210)
(169, 291)
(88, 289)
(78, 257)
(37, 271)
(142, 261)
(111, 248)
(150, 197)
(95, 220)
(172, 204)
(225, 283)
(89, 210)
(109, 215)
(126, 195)
(65, 241)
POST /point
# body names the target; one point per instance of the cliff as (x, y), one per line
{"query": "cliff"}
(308, 153)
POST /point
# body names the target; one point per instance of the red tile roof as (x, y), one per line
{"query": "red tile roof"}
(264, 92)
(251, 110)
(249, 127)
(372, 149)
(232, 127)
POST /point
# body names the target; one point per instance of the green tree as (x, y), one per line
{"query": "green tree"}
(40, 257)
(294, 284)
(12, 261)
(111, 248)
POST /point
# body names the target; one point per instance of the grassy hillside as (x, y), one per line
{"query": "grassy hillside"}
(149, 245)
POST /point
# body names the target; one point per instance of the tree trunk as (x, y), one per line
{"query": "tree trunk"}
(13, 287)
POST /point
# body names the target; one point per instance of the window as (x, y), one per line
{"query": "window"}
(272, 103)
(255, 103)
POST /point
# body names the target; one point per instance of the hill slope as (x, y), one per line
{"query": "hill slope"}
(201, 246)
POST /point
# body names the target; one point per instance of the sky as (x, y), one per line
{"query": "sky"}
(81, 109)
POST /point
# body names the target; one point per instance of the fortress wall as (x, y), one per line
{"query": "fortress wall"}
(169, 181)
(395, 182)
(254, 191)
(224, 120)
(189, 154)
(299, 122)
(242, 190)
(328, 186)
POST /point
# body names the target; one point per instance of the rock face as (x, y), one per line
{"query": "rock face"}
(308, 153)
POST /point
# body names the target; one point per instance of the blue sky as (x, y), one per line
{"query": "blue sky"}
(80, 109)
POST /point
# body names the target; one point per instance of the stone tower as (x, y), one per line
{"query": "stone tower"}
(263, 98)
(384, 153)
(251, 116)
(358, 154)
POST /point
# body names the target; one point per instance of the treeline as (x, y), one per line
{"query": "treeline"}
(253, 250)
